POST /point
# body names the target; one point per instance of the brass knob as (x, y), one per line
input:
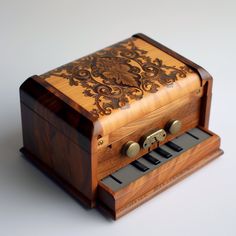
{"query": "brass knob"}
(131, 149)
(174, 126)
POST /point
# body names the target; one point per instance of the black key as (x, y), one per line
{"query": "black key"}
(152, 159)
(174, 146)
(192, 135)
(139, 166)
(117, 180)
(163, 153)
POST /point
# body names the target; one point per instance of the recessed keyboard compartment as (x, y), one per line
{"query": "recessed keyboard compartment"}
(135, 183)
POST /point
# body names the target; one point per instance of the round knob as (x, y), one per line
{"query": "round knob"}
(174, 126)
(131, 149)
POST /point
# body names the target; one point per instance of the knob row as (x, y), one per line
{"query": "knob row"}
(131, 148)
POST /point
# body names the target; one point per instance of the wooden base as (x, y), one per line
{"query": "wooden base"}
(78, 196)
(117, 204)
(115, 215)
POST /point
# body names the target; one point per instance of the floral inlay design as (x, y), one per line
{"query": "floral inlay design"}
(118, 74)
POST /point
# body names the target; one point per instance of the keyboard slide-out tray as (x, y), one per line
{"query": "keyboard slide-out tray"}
(137, 182)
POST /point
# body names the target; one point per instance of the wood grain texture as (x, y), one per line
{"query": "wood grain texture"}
(186, 109)
(122, 201)
(66, 159)
(67, 119)
(122, 82)
(53, 175)
(76, 118)
(206, 78)
(116, 215)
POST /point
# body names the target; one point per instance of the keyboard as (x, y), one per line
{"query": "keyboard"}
(154, 159)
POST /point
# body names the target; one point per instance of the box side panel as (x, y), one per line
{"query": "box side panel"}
(59, 114)
(206, 103)
(65, 158)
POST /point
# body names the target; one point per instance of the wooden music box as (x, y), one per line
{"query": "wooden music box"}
(118, 126)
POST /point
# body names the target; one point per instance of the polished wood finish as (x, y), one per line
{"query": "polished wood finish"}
(184, 82)
(52, 174)
(116, 215)
(206, 78)
(52, 107)
(65, 159)
(76, 118)
(186, 109)
(120, 202)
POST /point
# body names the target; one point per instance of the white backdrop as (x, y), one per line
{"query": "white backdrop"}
(37, 36)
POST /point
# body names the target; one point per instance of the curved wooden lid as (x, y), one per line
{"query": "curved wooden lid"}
(122, 83)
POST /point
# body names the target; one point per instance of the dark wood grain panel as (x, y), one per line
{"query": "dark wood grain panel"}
(57, 152)
(56, 111)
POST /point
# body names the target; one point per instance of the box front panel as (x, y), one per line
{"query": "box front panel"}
(110, 155)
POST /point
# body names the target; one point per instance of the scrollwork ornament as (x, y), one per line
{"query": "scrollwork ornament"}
(116, 75)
